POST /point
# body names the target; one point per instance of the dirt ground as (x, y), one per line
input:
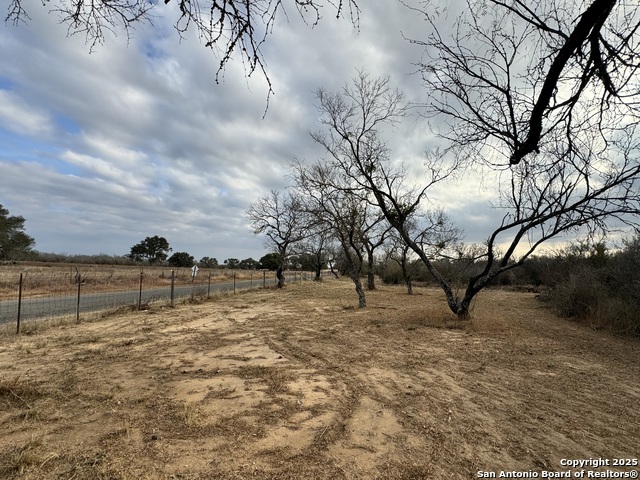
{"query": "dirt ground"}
(299, 384)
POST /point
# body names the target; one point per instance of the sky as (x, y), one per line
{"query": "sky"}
(100, 149)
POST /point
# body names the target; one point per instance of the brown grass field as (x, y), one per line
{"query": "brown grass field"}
(299, 384)
(43, 279)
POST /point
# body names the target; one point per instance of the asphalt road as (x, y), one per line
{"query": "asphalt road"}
(33, 308)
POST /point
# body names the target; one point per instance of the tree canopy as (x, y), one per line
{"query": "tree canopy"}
(14, 242)
(181, 259)
(209, 262)
(270, 261)
(248, 264)
(279, 216)
(232, 262)
(518, 78)
(152, 249)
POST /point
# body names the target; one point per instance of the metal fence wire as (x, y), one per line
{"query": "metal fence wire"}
(69, 295)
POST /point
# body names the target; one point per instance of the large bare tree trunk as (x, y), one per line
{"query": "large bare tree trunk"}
(371, 278)
(280, 276)
(409, 286)
(407, 277)
(362, 299)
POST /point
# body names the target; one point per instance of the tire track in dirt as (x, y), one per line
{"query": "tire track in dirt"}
(298, 384)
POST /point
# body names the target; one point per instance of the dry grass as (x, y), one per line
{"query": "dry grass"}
(42, 279)
(300, 384)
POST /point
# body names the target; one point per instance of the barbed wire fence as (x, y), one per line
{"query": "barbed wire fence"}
(35, 295)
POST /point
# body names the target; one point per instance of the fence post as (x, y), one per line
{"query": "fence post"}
(264, 279)
(251, 284)
(209, 286)
(173, 278)
(140, 293)
(19, 304)
(78, 303)
(234, 282)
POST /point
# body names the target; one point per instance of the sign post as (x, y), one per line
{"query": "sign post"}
(194, 272)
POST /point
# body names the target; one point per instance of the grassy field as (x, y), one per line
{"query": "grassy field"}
(299, 384)
(42, 279)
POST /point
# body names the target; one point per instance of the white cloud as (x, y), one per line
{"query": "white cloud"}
(136, 139)
(20, 117)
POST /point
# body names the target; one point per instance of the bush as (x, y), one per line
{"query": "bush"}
(585, 296)
(616, 315)
(578, 296)
(391, 273)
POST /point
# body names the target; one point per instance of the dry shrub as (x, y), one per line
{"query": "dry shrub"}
(616, 315)
(578, 296)
(585, 297)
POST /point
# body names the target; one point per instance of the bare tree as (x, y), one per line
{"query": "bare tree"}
(281, 218)
(375, 231)
(227, 27)
(509, 75)
(433, 233)
(333, 204)
(351, 120)
(316, 245)
(399, 252)
(334, 257)
(581, 189)
(558, 80)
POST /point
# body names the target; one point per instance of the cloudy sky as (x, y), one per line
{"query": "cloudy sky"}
(100, 150)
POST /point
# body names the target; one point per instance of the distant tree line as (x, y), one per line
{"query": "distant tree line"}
(16, 245)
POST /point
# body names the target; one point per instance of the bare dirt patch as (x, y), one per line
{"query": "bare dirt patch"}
(300, 384)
